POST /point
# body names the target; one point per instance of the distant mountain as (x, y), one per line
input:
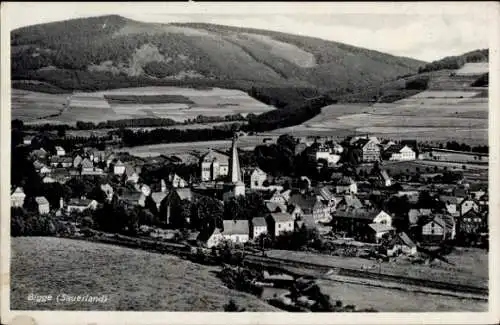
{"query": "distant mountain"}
(112, 51)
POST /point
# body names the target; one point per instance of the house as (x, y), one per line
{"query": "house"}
(346, 185)
(132, 174)
(321, 151)
(310, 204)
(28, 139)
(43, 204)
(468, 204)
(295, 211)
(472, 223)
(17, 198)
(278, 197)
(77, 161)
(377, 231)
(324, 194)
(174, 198)
(399, 153)
(48, 180)
(213, 166)
(279, 223)
(385, 144)
(236, 231)
(362, 223)
(60, 151)
(306, 221)
(451, 203)
(401, 243)
(437, 229)
(258, 227)
(87, 165)
(257, 178)
(108, 190)
(80, 205)
(275, 207)
(370, 151)
(176, 181)
(119, 168)
(133, 198)
(348, 202)
(45, 170)
(56, 161)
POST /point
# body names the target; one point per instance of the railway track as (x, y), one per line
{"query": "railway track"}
(453, 287)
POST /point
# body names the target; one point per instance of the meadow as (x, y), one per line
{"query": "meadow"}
(429, 115)
(132, 279)
(176, 103)
(247, 142)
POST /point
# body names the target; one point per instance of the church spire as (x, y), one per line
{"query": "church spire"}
(235, 170)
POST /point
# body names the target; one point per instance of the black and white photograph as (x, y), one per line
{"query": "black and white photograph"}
(303, 158)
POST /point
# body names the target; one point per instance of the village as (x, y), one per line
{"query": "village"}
(359, 193)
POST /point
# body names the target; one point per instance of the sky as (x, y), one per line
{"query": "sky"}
(427, 30)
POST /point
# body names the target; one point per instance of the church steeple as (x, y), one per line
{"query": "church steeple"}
(234, 167)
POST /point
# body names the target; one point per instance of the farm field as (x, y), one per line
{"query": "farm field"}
(46, 265)
(29, 106)
(176, 103)
(247, 142)
(429, 115)
(471, 265)
(473, 68)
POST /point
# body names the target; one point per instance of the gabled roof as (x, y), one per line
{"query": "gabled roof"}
(308, 222)
(447, 199)
(158, 196)
(282, 217)
(87, 163)
(306, 203)
(184, 193)
(18, 191)
(351, 201)
(346, 181)
(235, 227)
(273, 206)
(380, 227)
(41, 200)
(213, 155)
(324, 192)
(395, 148)
(404, 239)
(259, 222)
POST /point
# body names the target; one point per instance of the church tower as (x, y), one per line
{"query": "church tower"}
(235, 170)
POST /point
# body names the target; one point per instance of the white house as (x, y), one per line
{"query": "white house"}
(214, 165)
(43, 204)
(346, 185)
(383, 218)
(402, 244)
(17, 198)
(60, 151)
(119, 168)
(280, 222)
(48, 180)
(257, 178)
(259, 226)
(400, 153)
(87, 165)
(236, 231)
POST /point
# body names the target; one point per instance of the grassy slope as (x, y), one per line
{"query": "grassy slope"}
(133, 279)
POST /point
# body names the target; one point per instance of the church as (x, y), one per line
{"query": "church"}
(234, 186)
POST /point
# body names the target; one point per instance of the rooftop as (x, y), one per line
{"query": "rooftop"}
(235, 227)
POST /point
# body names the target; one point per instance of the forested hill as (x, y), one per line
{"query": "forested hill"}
(456, 62)
(113, 51)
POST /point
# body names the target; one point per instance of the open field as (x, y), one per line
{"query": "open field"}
(247, 142)
(29, 106)
(390, 300)
(132, 279)
(473, 68)
(175, 103)
(471, 265)
(430, 115)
